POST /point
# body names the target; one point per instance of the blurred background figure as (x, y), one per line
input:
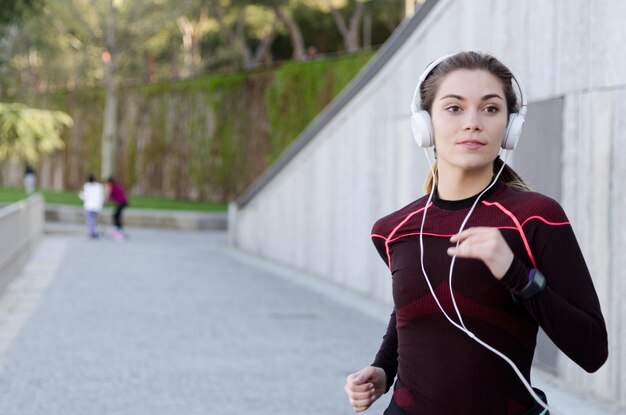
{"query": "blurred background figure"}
(92, 196)
(312, 53)
(29, 179)
(117, 196)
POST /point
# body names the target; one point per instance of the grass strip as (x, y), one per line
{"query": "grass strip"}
(12, 194)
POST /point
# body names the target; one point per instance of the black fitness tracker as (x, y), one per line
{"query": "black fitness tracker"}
(536, 284)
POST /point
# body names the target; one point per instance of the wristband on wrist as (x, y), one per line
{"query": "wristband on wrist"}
(536, 284)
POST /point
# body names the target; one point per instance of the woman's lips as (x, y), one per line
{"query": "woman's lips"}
(471, 144)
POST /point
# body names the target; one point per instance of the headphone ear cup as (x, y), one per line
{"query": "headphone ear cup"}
(513, 131)
(422, 128)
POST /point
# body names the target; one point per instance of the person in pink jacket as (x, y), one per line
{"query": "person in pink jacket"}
(117, 196)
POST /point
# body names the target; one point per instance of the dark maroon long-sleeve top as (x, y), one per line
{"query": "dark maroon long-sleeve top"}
(440, 369)
(117, 194)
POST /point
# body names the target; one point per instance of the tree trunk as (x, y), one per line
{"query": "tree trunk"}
(349, 33)
(240, 40)
(192, 32)
(198, 31)
(110, 103)
(297, 41)
(186, 29)
(367, 31)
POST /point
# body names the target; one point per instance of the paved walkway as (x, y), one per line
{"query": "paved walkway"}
(173, 322)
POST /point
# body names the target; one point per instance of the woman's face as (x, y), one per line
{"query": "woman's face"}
(469, 116)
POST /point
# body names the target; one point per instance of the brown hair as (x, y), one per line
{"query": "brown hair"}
(473, 61)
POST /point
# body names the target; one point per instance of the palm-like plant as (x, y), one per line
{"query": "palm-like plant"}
(26, 133)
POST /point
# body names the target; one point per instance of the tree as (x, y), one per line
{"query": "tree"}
(297, 41)
(114, 31)
(349, 30)
(265, 28)
(63, 45)
(12, 11)
(27, 132)
(282, 9)
(85, 43)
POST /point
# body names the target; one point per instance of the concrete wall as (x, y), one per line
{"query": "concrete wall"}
(315, 212)
(21, 227)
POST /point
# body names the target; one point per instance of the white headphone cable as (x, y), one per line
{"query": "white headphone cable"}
(428, 202)
(462, 326)
(458, 313)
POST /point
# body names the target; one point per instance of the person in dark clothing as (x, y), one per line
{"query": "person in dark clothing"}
(117, 196)
(478, 264)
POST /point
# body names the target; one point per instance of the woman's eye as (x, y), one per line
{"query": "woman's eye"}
(492, 109)
(453, 108)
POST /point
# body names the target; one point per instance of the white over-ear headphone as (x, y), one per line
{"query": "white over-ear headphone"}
(422, 126)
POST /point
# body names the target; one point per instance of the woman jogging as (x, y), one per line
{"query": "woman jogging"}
(478, 264)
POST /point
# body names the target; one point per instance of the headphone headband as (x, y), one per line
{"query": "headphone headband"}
(421, 123)
(422, 78)
(521, 97)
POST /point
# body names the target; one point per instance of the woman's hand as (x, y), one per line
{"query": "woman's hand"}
(486, 244)
(365, 386)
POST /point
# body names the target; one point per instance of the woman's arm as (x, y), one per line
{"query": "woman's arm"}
(370, 383)
(568, 309)
(387, 356)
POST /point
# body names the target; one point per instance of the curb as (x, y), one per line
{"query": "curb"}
(145, 218)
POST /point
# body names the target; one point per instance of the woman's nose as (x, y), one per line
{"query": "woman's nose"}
(472, 121)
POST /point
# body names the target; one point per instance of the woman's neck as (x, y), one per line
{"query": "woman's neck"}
(460, 184)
